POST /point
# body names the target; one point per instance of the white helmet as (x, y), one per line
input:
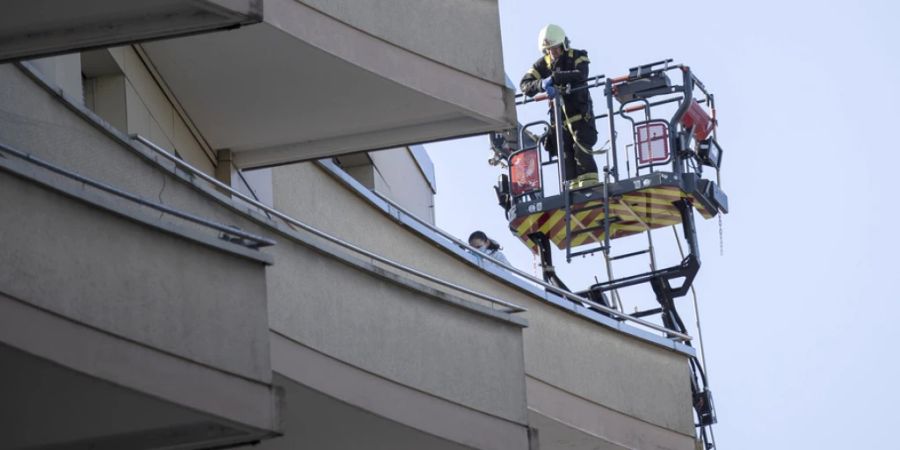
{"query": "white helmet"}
(551, 36)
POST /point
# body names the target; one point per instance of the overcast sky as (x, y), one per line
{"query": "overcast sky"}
(800, 314)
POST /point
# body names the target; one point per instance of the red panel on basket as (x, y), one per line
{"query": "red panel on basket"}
(525, 172)
(696, 117)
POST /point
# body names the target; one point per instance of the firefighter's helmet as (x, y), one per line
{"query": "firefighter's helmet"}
(551, 36)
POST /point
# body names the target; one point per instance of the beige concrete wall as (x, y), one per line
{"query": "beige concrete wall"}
(464, 34)
(395, 174)
(57, 398)
(364, 174)
(135, 281)
(34, 406)
(643, 380)
(627, 375)
(150, 113)
(47, 128)
(320, 422)
(307, 192)
(64, 71)
(398, 177)
(105, 95)
(400, 334)
(444, 350)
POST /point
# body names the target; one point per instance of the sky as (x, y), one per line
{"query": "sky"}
(800, 306)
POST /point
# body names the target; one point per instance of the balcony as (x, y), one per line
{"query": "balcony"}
(592, 382)
(320, 79)
(405, 365)
(352, 343)
(34, 28)
(110, 342)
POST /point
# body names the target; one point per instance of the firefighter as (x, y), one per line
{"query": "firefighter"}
(560, 66)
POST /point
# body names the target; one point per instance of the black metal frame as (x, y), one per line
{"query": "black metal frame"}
(679, 153)
(686, 169)
(541, 163)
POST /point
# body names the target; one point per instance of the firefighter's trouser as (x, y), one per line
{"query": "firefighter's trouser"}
(577, 157)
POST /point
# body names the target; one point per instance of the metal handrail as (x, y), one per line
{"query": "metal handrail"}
(513, 308)
(259, 240)
(589, 83)
(530, 278)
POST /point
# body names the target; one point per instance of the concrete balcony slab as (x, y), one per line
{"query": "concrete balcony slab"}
(35, 28)
(124, 328)
(304, 84)
(67, 385)
(334, 405)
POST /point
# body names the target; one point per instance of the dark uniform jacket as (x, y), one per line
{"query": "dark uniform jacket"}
(570, 68)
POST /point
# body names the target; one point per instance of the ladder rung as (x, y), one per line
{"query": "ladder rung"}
(586, 230)
(612, 220)
(629, 255)
(588, 251)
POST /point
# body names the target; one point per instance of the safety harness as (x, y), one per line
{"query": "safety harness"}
(567, 120)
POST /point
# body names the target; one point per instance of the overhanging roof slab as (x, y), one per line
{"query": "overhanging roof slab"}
(35, 28)
(305, 85)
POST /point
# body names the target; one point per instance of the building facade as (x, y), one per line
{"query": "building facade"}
(218, 231)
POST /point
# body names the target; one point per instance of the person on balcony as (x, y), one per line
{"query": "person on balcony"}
(488, 246)
(563, 66)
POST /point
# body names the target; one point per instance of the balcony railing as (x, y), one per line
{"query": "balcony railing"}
(509, 307)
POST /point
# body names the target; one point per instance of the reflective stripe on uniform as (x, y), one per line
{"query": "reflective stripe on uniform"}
(534, 73)
(548, 60)
(581, 60)
(569, 121)
(574, 119)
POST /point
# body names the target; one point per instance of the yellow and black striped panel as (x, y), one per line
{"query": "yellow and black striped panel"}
(653, 206)
(701, 208)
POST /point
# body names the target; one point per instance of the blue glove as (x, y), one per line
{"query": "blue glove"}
(549, 88)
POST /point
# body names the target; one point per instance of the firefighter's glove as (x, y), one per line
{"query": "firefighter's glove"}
(549, 88)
